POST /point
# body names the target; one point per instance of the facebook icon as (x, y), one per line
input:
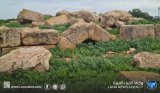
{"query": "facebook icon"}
(151, 85)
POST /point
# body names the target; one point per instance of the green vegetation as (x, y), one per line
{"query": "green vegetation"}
(114, 31)
(46, 17)
(9, 23)
(14, 25)
(139, 14)
(59, 28)
(142, 22)
(89, 68)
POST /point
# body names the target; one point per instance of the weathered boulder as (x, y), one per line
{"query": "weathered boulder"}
(157, 30)
(9, 37)
(62, 19)
(80, 32)
(138, 76)
(147, 60)
(137, 19)
(130, 32)
(9, 49)
(99, 34)
(119, 23)
(67, 13)
(28, 16)
(131, 50)
(36, 24)
(39, 37)
(64, 44)
(25, 58)
(76, 20)
(77, 33)
(109, 19)
(87, 16)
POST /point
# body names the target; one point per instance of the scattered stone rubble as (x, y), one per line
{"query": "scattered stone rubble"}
(28, 47)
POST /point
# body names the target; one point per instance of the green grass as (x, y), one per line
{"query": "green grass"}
(58, 27)
(10, 24)
(143, 22)
(89, 68)
(46, 17)
(14, 25)
(114, 31)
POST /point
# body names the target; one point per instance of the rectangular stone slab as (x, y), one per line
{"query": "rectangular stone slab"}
(9, 37)
(157, 30)
(9, 49)
(42, 37)
(131, 32)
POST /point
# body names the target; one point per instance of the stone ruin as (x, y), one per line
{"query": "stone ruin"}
(83, 27)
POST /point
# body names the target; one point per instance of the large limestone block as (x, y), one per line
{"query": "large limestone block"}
(42, 37)
(28, 16)
(25, 58)
(9, 49)
(64, 44)
(80, 32)
(130, 32)
(147, 60)
(9, 37)
(139, 76)
(109, 19)
(157, 30)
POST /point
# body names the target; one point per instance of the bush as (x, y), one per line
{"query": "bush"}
(139, 14)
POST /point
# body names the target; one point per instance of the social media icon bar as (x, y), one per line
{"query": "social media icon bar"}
(47, 86)
(63, 87)
(55, 87)
(152, 85)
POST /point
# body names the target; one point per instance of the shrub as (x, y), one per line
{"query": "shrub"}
(138, 13)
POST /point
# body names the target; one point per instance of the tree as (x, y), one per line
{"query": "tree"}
(138, 13)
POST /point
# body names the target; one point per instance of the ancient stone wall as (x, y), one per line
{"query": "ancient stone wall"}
(131, 32)
(11, 39)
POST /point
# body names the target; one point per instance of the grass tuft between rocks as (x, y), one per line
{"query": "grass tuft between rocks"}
(58, 27)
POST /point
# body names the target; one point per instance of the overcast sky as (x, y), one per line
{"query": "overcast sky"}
(10, 8)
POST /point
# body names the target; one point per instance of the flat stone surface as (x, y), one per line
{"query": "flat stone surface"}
(64, 44)
(138, 76)
(157, 30)
(9, 49)
(147, 60)
(26, 58)
(42, 37)
(9, 37)
(80, 32)
(131, 32)
(28, 16)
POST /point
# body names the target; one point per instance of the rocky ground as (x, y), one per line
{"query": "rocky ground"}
(79, 49)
